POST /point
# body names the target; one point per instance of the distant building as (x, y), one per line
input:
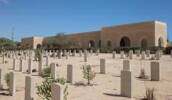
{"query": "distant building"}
(135, 35)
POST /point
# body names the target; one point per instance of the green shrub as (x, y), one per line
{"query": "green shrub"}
(44, 90)
(34, 70)
(7, 79)
(38, 54)
(46, 72)
(88, 73)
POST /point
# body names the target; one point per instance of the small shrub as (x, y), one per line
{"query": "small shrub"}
(6, 62)
(88, 73)
(142, 74)
(7, 79)
(34, 70)
(46, 72)
(57, 65)
(44, 90)
(150, 94)
(38, 54)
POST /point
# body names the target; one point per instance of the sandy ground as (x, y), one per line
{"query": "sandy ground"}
(105, 86)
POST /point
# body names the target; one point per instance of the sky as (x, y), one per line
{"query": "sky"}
(27, 18)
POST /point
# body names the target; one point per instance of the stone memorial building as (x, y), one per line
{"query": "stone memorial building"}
(135, 35)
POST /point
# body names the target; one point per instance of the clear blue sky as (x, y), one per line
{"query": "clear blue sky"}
(48, 17)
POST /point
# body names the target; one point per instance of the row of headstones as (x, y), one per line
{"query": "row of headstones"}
(29, 85)
(122, 54)
(143, 54)
(30, 64)
(30, 53)
(16, 54)
(126, 78)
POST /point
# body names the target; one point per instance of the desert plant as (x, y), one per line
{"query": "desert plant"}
(46, 72)
(34, 70)
(44, 90)
(6, 62)
(38, 54)
(88, 73)
(150, 94)
(142, 74)
(7, 79)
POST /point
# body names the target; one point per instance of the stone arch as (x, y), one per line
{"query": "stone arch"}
(38, 46)
(91, 44)
(144, 43)
(109, 44)
(160, 42)
(125, 42)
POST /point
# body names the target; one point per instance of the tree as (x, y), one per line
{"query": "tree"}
(5, 42)
(88, 73)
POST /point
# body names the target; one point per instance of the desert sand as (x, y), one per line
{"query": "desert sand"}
(105, 86)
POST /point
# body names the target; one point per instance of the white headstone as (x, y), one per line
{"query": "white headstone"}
(21, 65)
(122, 54)
(1, 78)
(137, 53)
(85, 56)
(126, 65)
(102, 66)
(113, 54)
(14, 64)
(155, 71)
(131, 54)
(40, 67)
(53, 70)
(30, 65)
(57, 92)
(29, 88)
(143, 55)
(69, 73)
(126, 84)
(80, 53)
(12, 83)
(148, 53)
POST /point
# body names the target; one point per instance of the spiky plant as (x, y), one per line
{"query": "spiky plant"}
(88, 73)
(44, 90)
(150, 94)
(142, 74)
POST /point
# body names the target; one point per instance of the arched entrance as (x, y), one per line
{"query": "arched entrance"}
(160, 42)
(38, 46)
(125, 42)
(109, 44)
(91, 44)
(144, 43)
(99, 43)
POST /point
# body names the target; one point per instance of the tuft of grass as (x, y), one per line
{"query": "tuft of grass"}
(150, 94)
